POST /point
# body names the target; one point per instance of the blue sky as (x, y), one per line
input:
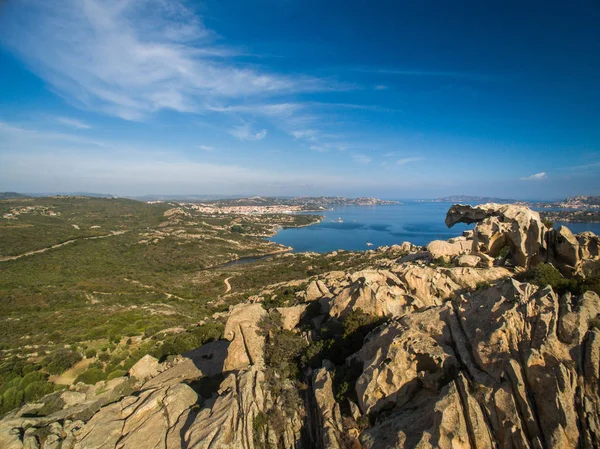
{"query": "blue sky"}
(398, 99)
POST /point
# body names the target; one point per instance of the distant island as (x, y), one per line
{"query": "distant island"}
(303, 203)
(469, 199)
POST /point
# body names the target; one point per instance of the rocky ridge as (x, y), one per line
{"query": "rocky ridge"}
(463, 356)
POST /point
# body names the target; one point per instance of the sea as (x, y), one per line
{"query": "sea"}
(358, 228)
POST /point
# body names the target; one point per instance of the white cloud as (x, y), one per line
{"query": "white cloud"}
(207, 148)
(381, 87)
(309, 134)
(246, 133)
(361, 158)
(38, 161)
(269, 110)
(74, 123)
(536, 177)
(132, 58)
(407, 160)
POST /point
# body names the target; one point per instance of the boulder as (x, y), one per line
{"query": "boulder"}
(468, 261)
(145, 368)
(447, 250)
(290, 316)
(242, 329)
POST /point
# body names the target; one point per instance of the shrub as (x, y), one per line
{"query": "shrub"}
(89, 353)
(61, 360)
(116, 373)
(545, 274)
(91, 376)
(237, 229)
(549, 224)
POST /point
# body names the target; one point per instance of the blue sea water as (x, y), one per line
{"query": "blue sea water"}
(352, 227)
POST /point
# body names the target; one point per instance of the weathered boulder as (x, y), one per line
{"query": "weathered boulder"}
(145, 368)
(290, 316)
(499, 225)
(247, 345)
(447, 250)
(468, 261)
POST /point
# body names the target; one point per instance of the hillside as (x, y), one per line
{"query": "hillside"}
(11, 195)
(445, 346)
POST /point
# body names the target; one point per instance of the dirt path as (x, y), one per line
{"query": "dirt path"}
(69, 376)
(154, 290)
(227, 284)
(58, 245)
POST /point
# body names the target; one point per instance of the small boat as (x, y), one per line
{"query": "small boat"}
(369, 244)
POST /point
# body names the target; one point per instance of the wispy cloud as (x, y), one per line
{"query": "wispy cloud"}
(361, 158)
(16, 135)
(207, 148)
(132, 58)
(381, 87)
(408, 160)
(474, 76)
(246, 133)
(74, 123)
(35, 160)
(309, 134)
(535, 177)
(269, 110)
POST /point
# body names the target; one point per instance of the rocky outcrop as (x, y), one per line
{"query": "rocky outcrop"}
(529, 242)
(330, 417)
(227, 421)
(508, 366)
(290, 316)
(574, 254)
(403, 289)
(500, 225)
(242, 329)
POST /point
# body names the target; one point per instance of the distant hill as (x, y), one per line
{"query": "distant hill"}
(588, 200)
(470, 199)
(11, 195)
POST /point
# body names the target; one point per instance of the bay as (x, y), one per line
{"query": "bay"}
(352, 228)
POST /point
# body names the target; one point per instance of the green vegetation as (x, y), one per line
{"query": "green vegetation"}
(548, 223)
(60, 361)
(545, 274)
(109, 299)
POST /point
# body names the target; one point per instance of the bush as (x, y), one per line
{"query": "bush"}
(61, 360)
(91, 376)
(116, 373)
(545, 274)
(38, 389)
(191, 339)
(89, 353)
(549, 224)
(237, 229)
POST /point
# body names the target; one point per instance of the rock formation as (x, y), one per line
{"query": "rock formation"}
(499, 225)
(521, 230)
